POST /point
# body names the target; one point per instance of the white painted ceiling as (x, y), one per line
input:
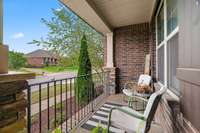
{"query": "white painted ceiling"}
(125, 12)
(105, 15)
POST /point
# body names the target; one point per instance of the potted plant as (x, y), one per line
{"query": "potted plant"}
(99, 129)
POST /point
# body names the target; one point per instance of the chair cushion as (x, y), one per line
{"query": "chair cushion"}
(127, 122)
(144, 80)
(132, 111)
(127, 92)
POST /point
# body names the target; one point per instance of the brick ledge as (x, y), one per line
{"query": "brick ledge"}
(13, 76)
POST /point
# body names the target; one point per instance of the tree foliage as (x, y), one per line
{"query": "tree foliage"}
(16, 60)
(84, 81)
(64, 37)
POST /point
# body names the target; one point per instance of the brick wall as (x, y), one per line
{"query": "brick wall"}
(35, 62)
(131, 44)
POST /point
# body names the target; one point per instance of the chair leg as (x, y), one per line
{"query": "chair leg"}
(109, 120)
(124, 98)
(130, 102)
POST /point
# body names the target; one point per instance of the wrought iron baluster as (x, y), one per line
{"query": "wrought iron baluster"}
(55, 111)
(40, 110)
(66, 108)
(61, 107)
(48, 124)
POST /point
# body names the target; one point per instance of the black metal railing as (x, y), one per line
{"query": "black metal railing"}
(62, 103)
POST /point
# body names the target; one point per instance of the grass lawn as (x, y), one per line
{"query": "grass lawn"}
(49, 69)
(35, 95)
(60, 69)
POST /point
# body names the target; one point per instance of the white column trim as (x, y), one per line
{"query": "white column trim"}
(109, 41)
(165, 44)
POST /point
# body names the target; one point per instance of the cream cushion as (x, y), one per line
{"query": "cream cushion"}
(126, 122)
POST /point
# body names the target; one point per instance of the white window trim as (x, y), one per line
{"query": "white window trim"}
(164, 43)
(171, 93)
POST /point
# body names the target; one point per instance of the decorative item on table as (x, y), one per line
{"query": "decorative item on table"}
(143, 89)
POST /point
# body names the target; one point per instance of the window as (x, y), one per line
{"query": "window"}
(160, 24)
(161, 65)
(167, 44)
(172, 62)
(171, 15)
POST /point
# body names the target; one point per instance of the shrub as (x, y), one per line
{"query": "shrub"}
(99, 129)
(16, 60)
(84, 83)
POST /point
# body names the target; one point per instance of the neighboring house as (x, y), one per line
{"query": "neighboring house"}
(41, 58)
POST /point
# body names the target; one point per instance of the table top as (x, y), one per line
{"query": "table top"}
(141, 94)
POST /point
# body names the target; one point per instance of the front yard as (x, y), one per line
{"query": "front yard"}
(60, 69)
(49, 69)
(44, 95)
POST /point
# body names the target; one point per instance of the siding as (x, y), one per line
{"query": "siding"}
(189, 60)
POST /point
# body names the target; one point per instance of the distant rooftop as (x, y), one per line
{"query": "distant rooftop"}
(42, 53)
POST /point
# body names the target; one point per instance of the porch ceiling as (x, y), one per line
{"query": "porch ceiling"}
(104, 15)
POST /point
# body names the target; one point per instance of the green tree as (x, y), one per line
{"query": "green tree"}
(84, 81)
(64, 38)
(16, 60)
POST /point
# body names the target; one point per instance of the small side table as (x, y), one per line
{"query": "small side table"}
(143, 95)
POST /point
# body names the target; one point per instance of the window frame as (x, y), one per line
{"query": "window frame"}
(164, 43)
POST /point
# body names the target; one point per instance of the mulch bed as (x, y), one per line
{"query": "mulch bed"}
(44, 115)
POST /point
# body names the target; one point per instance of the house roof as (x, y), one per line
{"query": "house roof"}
(41, 53)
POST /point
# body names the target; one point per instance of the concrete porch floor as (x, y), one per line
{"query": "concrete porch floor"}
(116, 99)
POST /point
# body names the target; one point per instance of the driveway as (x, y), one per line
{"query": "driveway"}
(50, 77)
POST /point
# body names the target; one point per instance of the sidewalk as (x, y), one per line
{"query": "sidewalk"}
(35, 107)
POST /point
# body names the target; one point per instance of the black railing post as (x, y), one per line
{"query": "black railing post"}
(66, 106)
(40, 109)
(48, 125)
(77, 98)
(72, 102)
(61, 107)
(55, 117)
(92, 97)
(70, 87)
(74, 87)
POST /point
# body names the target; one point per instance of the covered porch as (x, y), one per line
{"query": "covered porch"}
(100, 115)
(132, 29)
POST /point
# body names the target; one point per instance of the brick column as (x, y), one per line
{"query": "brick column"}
(13, 102)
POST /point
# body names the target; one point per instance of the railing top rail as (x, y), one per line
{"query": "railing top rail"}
(69, 78)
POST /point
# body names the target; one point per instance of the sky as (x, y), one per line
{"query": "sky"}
(22, 22)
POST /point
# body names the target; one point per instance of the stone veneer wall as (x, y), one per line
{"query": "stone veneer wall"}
(131, 44)
(111, 80)
(13, 106)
